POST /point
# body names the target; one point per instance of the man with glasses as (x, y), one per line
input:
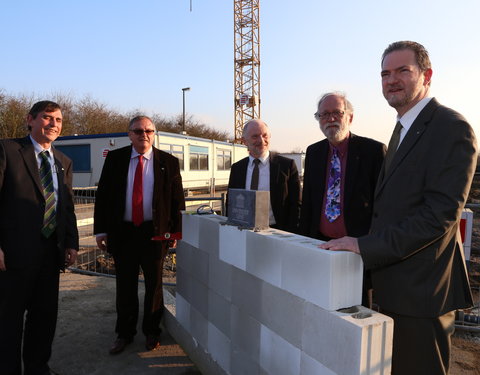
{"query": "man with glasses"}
(340, 175)
(347, 164)
(139, 197)
(414, 248)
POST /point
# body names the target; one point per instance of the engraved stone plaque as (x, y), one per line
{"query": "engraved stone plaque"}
(248, 208)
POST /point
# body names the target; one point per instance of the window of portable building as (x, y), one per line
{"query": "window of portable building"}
(198, 158)
(80, 155)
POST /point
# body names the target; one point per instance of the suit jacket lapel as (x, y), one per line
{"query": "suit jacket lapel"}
(352, 164)
(28, 154)
(320, 175)
(411, 138)
(60, 176)
(274, 171)
(243, 166)
(159, 173)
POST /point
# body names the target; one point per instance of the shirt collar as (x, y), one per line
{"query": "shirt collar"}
(147, 155)
(409, 117)
(342, 147)
(263, 159)
(38, 149)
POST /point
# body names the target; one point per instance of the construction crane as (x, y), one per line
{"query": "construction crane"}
(247, 63)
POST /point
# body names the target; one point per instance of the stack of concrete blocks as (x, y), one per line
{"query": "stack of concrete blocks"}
(266, 303)
(466, 227)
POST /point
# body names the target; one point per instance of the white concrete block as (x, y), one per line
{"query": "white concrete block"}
(242, 364)
(264, 255)
(467, 215)
(182, 311)
(190, 228)
(245, 333)
(185, 255)
(466, 228)
(309, 366)
(199, 265)
(220, 277)
(199, 296)
(330, 279)
(349, 343)
(209, 233)
(199, 327)
(219, 312)
(278, 356)
(219, 347)
(184, 279)
(233, 246)
(247, 292)
(282, 312)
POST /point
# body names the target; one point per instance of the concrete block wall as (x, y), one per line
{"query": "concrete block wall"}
(266, 303)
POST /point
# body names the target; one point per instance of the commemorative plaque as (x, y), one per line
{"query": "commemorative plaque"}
(248, 209)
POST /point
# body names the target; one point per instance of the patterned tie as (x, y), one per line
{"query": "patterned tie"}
(393, 145)
(49, 217)
(137, 196)
(255, 175)
(332, 207)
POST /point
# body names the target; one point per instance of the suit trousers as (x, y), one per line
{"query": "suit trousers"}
(33, 290)
(421, 345)
(135, 249)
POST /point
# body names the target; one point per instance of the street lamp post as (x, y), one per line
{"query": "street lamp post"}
(183, 118)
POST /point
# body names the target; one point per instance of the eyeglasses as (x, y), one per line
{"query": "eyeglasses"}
(327, 115)
(141, 131)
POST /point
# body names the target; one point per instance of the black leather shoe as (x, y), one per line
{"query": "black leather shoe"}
(119, 345)
(152, 343)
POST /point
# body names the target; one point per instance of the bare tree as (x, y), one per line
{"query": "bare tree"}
(13, 114)
(89, 116)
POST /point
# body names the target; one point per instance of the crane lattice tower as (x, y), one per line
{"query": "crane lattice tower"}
(247, 63)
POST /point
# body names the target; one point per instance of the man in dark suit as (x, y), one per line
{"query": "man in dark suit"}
(360, 160)
(139, 197)
(414, 248)
(38, 237)
(276, 174)
(328, 213)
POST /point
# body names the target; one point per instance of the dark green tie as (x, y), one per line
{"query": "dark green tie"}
(393, 145)
(49, 217)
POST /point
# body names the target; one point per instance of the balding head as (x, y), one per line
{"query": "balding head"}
(256, 136)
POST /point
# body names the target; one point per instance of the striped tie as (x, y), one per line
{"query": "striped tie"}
(49, 217)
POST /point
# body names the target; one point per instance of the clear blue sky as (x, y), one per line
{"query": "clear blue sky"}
(139, 54)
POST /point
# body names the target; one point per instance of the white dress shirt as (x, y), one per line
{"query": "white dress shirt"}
(39, 149)
(148, 181)
(409, 117)
(263, 178)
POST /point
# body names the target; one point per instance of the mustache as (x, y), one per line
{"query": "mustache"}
(336, 123)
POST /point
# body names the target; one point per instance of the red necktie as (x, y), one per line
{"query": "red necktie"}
(137, 196)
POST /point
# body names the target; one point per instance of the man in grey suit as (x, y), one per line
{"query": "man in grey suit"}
(414, 248)
(38, 237)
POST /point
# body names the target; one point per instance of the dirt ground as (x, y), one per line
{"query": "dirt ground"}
(85, 332)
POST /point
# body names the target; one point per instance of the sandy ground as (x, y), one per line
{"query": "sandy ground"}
(85, 332)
